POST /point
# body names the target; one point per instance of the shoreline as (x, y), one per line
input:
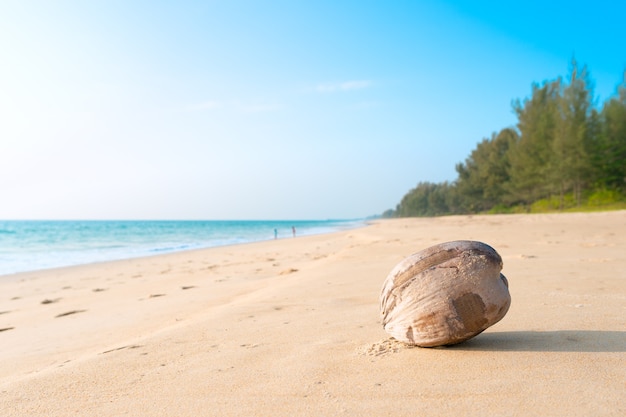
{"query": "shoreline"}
(291, 327)
(60, 269)
(196, 241)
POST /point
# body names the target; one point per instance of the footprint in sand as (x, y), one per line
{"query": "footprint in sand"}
(187, 287)
(121, 348)
(68, 313)
(50, 301)
(6, 328)
(156, 295)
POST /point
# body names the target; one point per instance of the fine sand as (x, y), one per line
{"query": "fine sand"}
(291, 327)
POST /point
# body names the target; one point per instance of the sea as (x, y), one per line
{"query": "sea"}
(27, 245)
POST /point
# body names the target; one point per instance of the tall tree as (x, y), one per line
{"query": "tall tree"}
(532, 154)
(427, 199)
(562, 144)
(610, 157)
(484, 176)
(573, 136)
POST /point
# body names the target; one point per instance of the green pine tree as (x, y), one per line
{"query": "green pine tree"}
(531, 156)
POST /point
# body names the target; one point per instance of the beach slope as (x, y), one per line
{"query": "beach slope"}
(292, 327)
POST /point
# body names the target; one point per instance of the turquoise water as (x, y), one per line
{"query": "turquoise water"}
(35, 245)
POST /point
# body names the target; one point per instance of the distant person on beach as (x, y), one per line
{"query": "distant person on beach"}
(275, 233)
(293, 230)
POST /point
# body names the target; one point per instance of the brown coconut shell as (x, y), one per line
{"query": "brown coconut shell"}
(445, 294)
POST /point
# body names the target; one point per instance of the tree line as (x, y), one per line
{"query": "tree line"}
(565, 151)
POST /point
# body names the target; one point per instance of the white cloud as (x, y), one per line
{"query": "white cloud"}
(343, 86)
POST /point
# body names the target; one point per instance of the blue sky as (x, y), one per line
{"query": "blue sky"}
(268, 109)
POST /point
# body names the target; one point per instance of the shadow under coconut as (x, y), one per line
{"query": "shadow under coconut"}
(547, 341)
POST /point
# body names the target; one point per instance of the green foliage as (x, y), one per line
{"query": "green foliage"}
(503, 209)
(550, 204)
(596, 200)
(387, 214)
(499, 209)
(610, 153)
(427, 199)
(531, 155)
(484, 176)
(604, 197)
(571, 144)
(564, 154)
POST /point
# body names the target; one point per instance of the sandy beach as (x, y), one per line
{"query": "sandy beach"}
(291, 327)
